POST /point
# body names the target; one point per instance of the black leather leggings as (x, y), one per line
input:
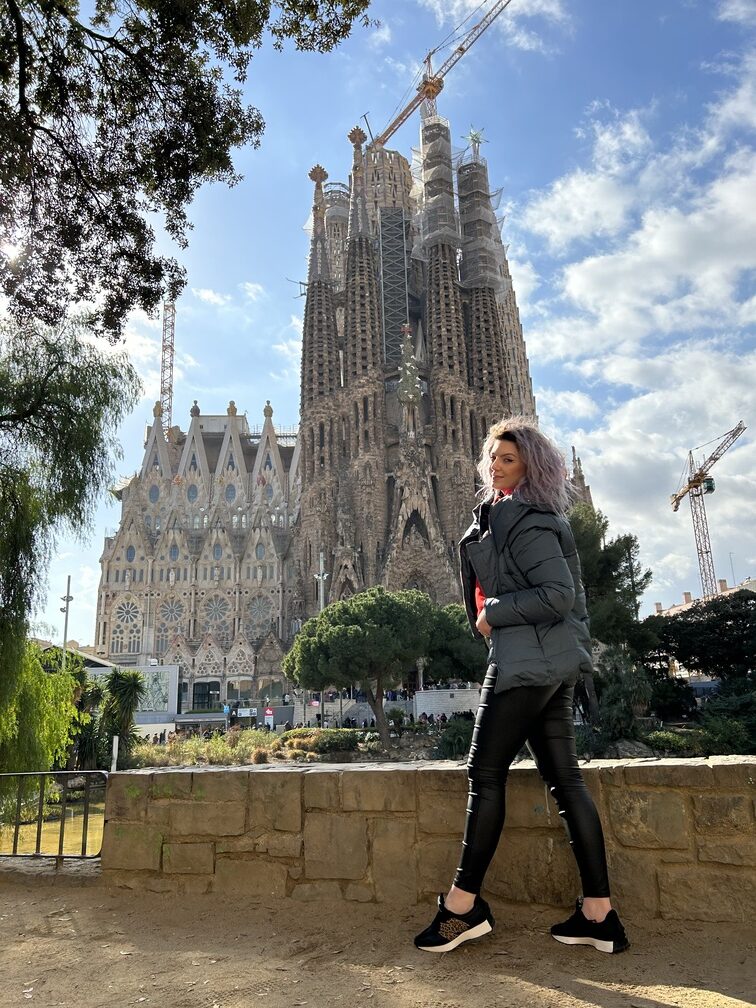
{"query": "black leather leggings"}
(542, 717)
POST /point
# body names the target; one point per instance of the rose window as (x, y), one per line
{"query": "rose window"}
(259, 615)
(171, 611)
(217, 609)
(128, 612)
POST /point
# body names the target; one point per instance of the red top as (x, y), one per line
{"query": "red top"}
(480, 596)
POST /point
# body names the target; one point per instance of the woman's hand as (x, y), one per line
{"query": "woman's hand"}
(482, 624)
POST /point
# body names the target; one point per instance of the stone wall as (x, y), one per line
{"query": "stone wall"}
(680, 834)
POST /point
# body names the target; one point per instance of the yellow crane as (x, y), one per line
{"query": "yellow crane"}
(432, 83)
(701, 483)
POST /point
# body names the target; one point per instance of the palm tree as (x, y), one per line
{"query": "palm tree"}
(124, 689)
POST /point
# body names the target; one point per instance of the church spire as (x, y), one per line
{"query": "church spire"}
(362, 318)
(480, 273)
(358, 216)
(320, 360)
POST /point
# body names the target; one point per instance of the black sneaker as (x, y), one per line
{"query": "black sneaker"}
(607, 935)
(449, 930)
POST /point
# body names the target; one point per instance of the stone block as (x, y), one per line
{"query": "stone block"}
(249, 877)
(393, 861)
(531, 868)
(649, 818)
(322, 789)
(275, 799)
(441, 813)
(317, 892)
(378, 790)
(126, 796)
(529, 804)
(217, 819)
(722, 813)
(220, 785)
(359, 892)
(739, 850)
(706, 894)
(188, 858)
(688, 773)
(442, 778)
(141, 881)
(734, 773)
(171, 784)
(131, 847)
(194, 885)
(335, 846)
(159, 815)
(437, 860)
(287, 845)
(632, 874)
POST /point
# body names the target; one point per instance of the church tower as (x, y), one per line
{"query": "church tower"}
(412, 348)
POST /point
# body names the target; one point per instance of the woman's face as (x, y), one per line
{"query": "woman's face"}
(506, 466)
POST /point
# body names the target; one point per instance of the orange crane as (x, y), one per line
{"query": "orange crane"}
(701, 483)
(432, 83)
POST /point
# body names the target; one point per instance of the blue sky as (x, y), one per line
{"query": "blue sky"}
(622, 137)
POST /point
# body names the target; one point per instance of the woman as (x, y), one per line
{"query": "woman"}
(523, 593)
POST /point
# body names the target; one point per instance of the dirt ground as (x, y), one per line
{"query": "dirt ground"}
(76, 942)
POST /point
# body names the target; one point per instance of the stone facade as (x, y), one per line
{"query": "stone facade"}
(201, 572)
(679, 833)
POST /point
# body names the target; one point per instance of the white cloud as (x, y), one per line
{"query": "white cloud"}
(380, 37)
(565, 403)
(511, 23)
(742, 11)
(580, 205)
(290, 349)
(210, 296)
(252, 291)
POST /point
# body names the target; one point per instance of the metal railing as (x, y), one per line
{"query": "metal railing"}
(39, 815)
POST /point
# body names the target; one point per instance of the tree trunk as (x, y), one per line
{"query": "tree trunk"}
(376, 705)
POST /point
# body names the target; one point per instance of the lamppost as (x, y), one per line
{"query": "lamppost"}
(67, 598)
(320, 577)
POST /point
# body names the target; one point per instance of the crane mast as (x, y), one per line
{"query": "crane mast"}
(700, 483)
(166, 363)
(432, 83)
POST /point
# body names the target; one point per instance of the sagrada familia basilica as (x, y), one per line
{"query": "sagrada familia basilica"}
(231, 535)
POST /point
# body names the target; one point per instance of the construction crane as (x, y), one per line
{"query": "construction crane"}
(701, 483)
(166, 364)
(432, 83)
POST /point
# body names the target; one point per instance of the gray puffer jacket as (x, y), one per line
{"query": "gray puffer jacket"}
(525, 559)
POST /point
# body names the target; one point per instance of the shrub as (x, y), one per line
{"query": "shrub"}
(723, 736)
(218, 752)
(590, 740)
(395, 716)
(259, 756)
(321, 740)
(672, 699)
(674, 743)
(454, 741)
(738, 707)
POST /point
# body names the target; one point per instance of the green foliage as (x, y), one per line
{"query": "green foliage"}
(716, 639)
(370, 639)
(454, 741)
(672, 699)
(739, 706)
(112, 118)
(724, 736)
(453, 652)
(61, 403)
(36, 720)
(613, 578)
(674, 743)
(322, 740)
(394, 716)
(624, 692)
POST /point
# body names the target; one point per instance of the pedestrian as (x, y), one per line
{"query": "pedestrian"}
(523, 594)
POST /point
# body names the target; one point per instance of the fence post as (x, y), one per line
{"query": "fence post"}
(114, 760)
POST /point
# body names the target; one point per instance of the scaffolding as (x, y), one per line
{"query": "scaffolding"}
(394, 296)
